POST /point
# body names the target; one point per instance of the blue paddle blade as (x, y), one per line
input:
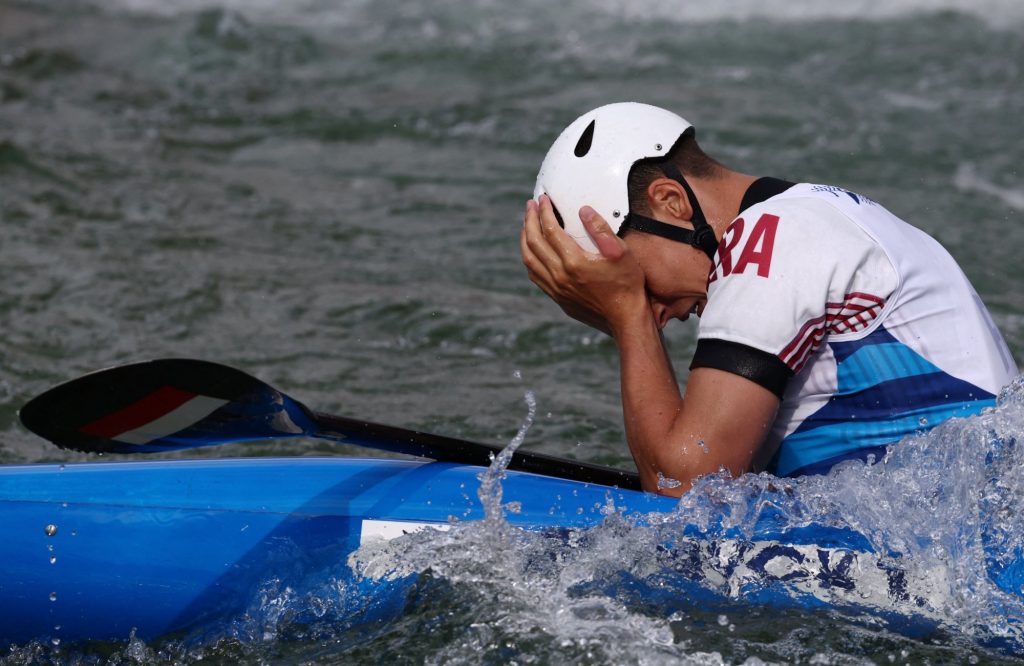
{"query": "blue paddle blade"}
(163, 405)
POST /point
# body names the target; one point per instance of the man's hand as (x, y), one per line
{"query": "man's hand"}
(723, 420)
(600, 290)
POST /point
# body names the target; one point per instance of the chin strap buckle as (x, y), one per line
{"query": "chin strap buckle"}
(704, 239)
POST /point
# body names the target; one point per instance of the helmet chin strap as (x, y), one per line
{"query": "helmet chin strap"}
(702, 236)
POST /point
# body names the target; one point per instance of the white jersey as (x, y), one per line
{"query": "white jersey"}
(863, 325)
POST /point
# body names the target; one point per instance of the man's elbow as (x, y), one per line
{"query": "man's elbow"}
(673, 477)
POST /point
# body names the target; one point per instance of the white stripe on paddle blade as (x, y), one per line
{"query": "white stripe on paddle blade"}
(188, 414)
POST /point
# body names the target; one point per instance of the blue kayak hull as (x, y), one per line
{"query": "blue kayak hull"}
(102, 551)
(99, 550)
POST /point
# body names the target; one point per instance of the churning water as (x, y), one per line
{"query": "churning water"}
(327, 193)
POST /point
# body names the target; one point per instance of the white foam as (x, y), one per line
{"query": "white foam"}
(995, 12)
(940, 512)
(968, 179)
(334, 12)
(162, 8)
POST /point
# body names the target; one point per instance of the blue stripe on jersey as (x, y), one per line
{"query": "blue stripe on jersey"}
(879, 363)
(885, 391)
(844, 440)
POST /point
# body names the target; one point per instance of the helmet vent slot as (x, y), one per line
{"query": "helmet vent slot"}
(586, 140)
(558, 216)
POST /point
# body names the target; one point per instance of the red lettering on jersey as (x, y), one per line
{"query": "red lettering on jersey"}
(725, 247)
(759, 247)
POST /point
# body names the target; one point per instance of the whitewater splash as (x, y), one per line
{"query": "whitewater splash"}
(936, 523)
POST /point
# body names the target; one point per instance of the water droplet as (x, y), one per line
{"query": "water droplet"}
(703, 446)
(53, 596)
(665, 482)
(53, 559)
(51, 529)
(61, 468)
(723, 620)
(923, 421)
(517, 374)
(74, 532)
(55, 641)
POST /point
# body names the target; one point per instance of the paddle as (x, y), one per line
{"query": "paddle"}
(171, 404)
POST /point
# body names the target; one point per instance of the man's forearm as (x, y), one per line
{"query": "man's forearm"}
(651, 400)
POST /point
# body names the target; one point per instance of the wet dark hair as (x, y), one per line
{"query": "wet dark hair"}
(688, 158)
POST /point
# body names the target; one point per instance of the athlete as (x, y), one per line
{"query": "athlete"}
(829, 328)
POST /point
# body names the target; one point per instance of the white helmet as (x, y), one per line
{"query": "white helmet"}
(589, 162)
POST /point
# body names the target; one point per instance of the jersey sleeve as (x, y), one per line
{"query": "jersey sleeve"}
(789, 272)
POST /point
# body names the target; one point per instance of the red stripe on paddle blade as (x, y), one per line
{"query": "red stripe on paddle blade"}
(138, 414)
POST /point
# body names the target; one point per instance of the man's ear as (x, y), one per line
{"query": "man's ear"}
(668, 197)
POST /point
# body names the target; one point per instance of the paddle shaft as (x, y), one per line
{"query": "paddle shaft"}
(450, 449)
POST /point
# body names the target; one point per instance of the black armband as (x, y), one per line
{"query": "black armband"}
(758, 366)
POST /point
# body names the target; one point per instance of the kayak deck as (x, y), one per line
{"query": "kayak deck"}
(97, 550)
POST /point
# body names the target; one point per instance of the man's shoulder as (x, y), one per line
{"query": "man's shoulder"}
(803, 211)
(812, 201)
(795, 229)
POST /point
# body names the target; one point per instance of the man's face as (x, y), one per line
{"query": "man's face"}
(676, 276)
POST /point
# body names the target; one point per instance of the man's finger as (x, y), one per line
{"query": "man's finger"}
(553, 231)
(535, 268)
(539, 258)
(544, 247)
(608, 244)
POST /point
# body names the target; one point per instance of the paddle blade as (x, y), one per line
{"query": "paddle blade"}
(163, 405)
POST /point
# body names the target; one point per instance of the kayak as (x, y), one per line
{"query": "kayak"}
(99, 550)
(193, 549)
(104, 551)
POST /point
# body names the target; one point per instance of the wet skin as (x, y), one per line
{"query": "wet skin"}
(631, 290)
